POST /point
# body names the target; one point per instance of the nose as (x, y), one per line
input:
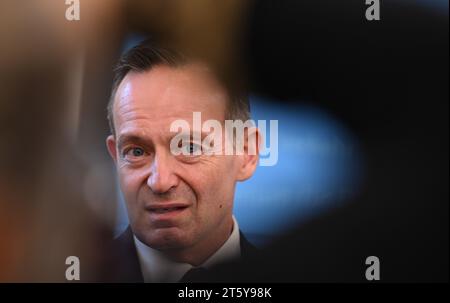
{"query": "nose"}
(162, 177)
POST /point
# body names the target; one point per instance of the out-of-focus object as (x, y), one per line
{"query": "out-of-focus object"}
(57, 187)
(43, 216)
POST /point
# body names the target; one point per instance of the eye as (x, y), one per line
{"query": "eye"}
(137, 152)
(133, 153)
(191, 149)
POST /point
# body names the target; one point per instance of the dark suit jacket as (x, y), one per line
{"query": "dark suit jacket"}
(124, 264)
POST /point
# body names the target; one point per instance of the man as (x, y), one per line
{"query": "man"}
(179, 205)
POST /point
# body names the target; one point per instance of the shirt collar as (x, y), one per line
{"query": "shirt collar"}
(156, 267)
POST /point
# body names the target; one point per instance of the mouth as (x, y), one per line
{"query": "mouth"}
(166, 209)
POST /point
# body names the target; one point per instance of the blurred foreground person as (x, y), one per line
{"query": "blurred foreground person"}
(44, 216)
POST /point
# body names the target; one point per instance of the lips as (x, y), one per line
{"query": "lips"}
(166, 210)
(166, 207)
(167, 214)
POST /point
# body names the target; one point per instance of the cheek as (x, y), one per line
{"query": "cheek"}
(215, 186)
(130, 183)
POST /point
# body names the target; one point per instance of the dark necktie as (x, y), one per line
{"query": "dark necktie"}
(195, 275)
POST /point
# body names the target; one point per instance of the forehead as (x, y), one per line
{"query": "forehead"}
(164, 94)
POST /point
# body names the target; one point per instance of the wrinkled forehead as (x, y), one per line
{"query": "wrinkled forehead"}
(167, 93)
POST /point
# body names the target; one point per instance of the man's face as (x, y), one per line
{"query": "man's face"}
(172, 201)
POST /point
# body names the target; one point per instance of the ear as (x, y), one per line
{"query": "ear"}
(251, 154)
(111, 145)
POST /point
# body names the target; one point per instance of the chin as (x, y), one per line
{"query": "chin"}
(167, 238)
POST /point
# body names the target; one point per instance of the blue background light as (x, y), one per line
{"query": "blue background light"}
(318, 167)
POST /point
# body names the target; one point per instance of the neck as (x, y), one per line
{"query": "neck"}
(201, 251)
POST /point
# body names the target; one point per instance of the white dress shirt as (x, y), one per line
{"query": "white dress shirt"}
(156, 267)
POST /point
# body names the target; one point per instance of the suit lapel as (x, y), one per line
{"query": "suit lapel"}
(247, 249)
(127, 262)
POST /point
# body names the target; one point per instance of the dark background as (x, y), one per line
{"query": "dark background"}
(388, 82)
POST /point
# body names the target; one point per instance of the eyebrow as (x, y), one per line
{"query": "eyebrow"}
(191, 134)
(131, 138)
(137, 139)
